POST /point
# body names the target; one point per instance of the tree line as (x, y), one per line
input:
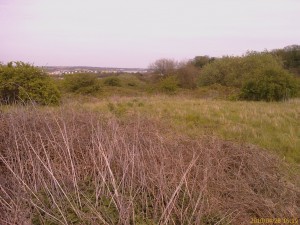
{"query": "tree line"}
(268, 76)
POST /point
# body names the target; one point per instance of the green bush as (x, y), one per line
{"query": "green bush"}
(235, 71)
(259, 76)
(131, 81)
(169, 84)
(219, 71)
(291, 57)
(112, 81)
(200, 61)
(271, 85)
(21, 82)
(81, 83)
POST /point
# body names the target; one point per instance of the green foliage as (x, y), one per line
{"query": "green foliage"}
(82, 83)
(216, 72)
(235, 71)
(131, 84)
(21, 82)
(112, 81)
(261, 76)
(131, 81)
(271, 85)
(217, 91)
(200, 61)
(169, 84)
(117, 109)
(291, 57)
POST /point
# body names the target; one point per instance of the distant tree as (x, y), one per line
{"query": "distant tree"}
(187, 75)
(200, 61)
(81, 83)
(21, 82)
(223, 71)
(164, 67)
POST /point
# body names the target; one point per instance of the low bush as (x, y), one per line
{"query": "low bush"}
(81, 83)
(21, 82)
(271, 85)
(235, 71)
(112, 81)
(168, 84)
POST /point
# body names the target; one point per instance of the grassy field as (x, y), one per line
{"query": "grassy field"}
(149, 159)
(273, 126)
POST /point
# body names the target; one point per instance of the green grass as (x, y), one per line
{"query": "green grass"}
(131, 154)
(274, 126)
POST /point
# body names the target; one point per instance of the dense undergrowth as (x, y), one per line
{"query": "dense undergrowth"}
(74, 166)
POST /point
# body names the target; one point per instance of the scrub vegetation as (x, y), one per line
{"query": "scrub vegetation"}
(21, 82)
(207, 141)
(74, 166)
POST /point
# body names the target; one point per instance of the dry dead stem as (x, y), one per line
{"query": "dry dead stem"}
(71, 167)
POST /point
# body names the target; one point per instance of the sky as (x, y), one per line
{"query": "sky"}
(134, 33)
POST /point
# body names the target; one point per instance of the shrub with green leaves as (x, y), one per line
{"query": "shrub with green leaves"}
(22, 82)
(259, 76)
(112, 81)
(81, 83)
(291, 57)
(235, 71)
(271, 85)
(169, 84)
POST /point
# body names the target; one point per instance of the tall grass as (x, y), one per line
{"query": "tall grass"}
(273, 126)
(68, 166)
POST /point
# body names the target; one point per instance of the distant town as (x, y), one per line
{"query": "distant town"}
(60, 71)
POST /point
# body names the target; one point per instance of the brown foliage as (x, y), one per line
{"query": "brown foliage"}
(164, 67)
(78, 160)
(187, 75)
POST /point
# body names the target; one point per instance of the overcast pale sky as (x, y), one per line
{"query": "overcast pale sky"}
(133, 33)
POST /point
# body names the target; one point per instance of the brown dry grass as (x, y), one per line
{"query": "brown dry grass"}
(76, 167)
